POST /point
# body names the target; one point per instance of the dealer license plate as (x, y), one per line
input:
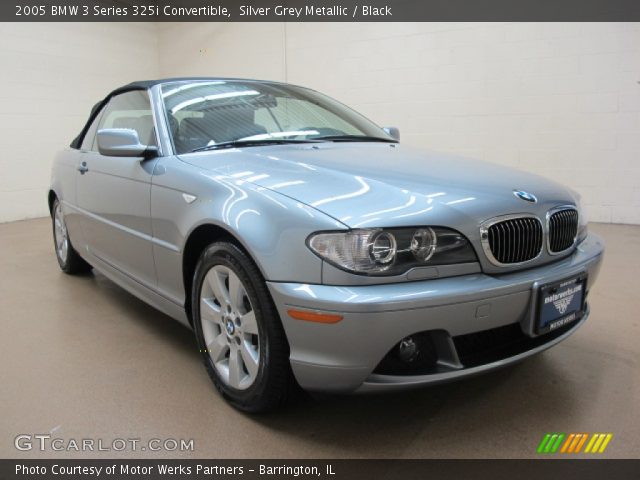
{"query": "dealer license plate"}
(560, 303)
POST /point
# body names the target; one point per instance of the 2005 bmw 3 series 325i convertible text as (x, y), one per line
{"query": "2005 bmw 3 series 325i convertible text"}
(305, 246)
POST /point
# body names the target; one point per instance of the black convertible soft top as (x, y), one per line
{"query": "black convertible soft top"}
(138, 85)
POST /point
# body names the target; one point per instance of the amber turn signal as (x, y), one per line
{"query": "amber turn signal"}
(314, 316)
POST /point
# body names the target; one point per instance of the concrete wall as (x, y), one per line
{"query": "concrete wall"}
(558, 99)
(51, 75)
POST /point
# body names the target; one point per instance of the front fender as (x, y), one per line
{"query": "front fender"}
(270, 226)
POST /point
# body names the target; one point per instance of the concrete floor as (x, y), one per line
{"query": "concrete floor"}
(83, 358)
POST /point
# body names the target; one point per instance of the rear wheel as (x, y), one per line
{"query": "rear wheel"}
(68, 258)
(238, 330)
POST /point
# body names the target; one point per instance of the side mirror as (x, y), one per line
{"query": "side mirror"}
(393, 132)
(123, 142)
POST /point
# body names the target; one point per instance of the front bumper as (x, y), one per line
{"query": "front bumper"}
(343, 356)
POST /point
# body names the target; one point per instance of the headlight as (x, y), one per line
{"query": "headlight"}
(424, 243)
(583, 221)
(383, 248)
(391, 251)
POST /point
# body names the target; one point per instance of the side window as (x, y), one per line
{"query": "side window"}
(88, 142)
(130, 110)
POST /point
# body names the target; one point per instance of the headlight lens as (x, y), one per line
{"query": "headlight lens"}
(391, 251)
(583, 221)
(424, 243)
(383, 248)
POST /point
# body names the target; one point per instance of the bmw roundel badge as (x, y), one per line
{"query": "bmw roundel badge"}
(526, 196)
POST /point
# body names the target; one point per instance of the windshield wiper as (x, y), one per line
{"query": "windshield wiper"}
(354, 138)
(249, 143)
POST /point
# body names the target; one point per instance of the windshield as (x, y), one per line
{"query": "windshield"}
(204, 114)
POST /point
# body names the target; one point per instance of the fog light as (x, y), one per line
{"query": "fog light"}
(407, 350)
(413, 355)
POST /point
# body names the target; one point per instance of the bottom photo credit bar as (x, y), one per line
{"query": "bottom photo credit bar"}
(329, 469)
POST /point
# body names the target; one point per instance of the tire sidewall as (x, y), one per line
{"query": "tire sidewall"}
(232, 257)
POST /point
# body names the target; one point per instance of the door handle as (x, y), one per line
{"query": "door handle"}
(82, 168)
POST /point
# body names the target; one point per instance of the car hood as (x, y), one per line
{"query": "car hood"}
(383, 185)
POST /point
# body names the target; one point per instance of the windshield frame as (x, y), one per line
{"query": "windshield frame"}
(162, 87)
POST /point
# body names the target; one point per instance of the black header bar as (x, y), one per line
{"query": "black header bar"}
(319, 10)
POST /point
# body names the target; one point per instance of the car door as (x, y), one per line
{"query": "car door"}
(114, 193)
(73, 217)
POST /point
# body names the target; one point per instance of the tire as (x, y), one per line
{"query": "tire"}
(68, 258)
(238, 330)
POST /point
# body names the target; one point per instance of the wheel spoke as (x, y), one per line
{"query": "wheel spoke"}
(235, 367)
(249, 324)
(210, 311)
(236, 292)
(216, 282)
(250, 359)
(218, 348)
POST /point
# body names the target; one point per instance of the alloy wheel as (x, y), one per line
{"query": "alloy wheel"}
(61, 235)
(229, 327)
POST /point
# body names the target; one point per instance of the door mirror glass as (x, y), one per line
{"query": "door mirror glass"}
(393, 132)
(123, 142)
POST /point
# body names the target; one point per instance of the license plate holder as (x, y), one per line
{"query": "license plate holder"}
(560, 303)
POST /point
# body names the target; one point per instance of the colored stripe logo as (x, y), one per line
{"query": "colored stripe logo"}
(574, 443)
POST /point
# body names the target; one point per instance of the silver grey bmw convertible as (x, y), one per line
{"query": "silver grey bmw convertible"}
(306, 247)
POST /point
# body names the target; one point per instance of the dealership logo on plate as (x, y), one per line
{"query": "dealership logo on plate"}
(562, 304)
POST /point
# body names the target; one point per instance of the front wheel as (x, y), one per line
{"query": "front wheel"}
(238, 330)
